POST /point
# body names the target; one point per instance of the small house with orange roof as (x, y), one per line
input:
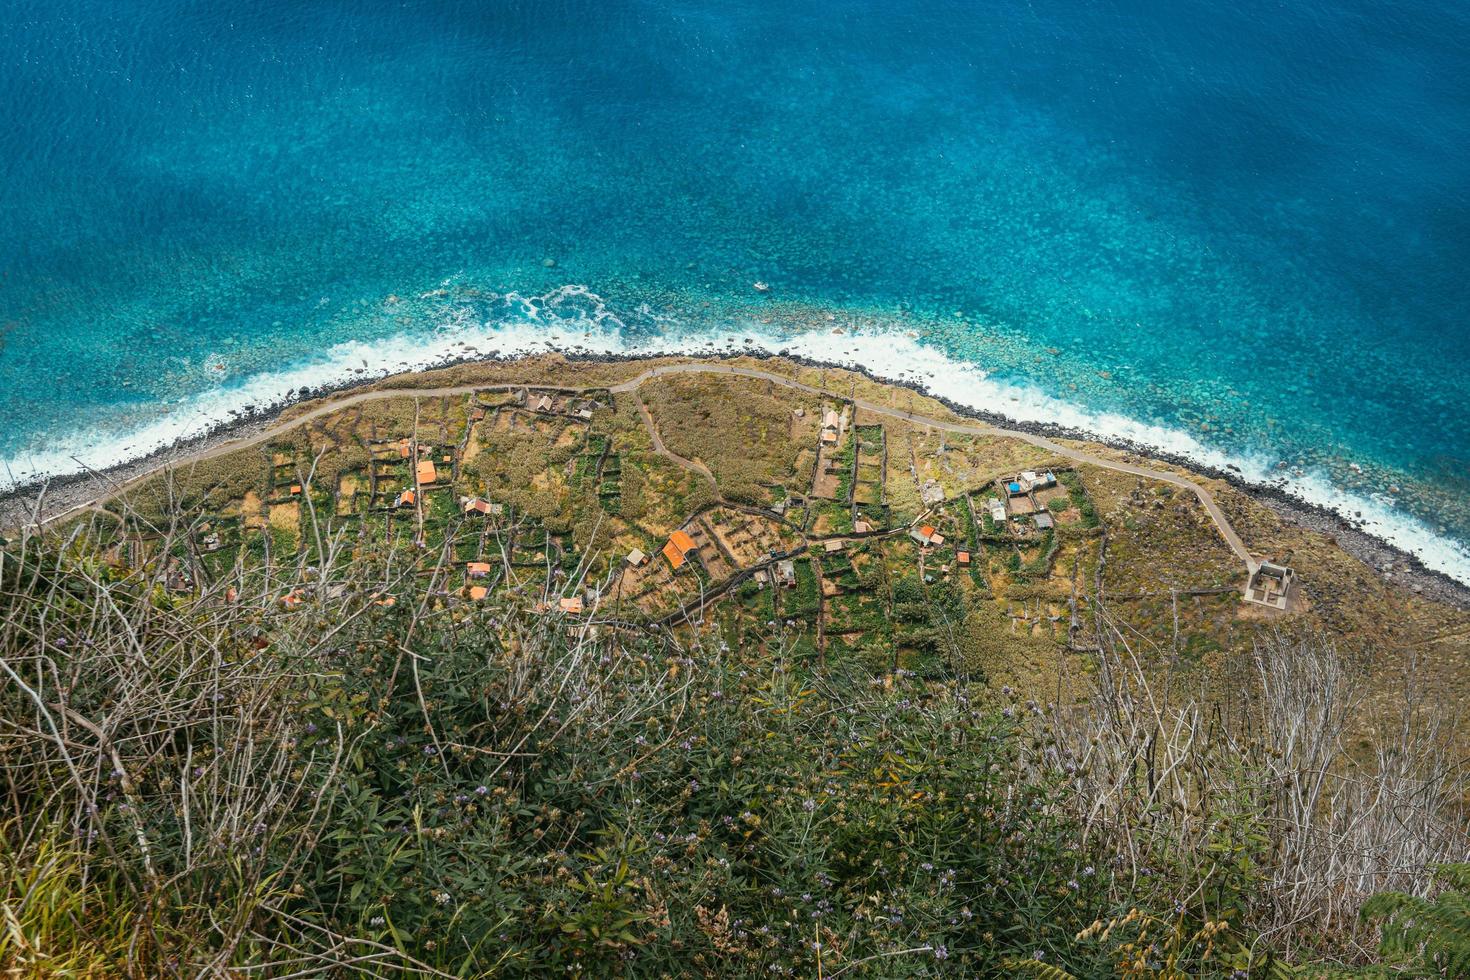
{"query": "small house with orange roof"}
(474, 505)
(925, 536)
(405, 499)
(571, 605)
(425, 473)
(478, 592)
(477, 569)
(678, 549)
(405, 448)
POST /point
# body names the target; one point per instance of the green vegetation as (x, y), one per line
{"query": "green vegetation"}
(461, 808)
(1426, 937)
(1077, 494)
(743, 432)
(246, 726)
(845, 462)
(481, 792)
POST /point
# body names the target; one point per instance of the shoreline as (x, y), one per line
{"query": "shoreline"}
(51, 499)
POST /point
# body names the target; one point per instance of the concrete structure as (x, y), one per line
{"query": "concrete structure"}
(636, 557)
(1271, 585)
(786, 573)
(1044, 521)
(1031, 480)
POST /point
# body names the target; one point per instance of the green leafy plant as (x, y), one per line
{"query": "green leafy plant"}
(1423, 936)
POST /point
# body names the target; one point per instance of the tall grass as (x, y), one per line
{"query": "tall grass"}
(54, 921)
(151, 729)
(201, 780)
(442, 788)
(1268, 810)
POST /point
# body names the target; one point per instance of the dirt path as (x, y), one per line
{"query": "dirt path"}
(665, 451)
(1206, 499)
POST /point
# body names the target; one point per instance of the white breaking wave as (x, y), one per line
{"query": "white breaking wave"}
(539, 325)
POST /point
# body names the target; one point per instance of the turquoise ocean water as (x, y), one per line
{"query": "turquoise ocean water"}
(1239, 231)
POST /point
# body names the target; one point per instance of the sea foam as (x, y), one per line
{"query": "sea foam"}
(573, 319)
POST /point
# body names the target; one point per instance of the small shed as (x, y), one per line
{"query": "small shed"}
(1271, 585)
(786, 573)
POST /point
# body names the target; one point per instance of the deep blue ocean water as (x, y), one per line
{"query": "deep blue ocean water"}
(1241, 229)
